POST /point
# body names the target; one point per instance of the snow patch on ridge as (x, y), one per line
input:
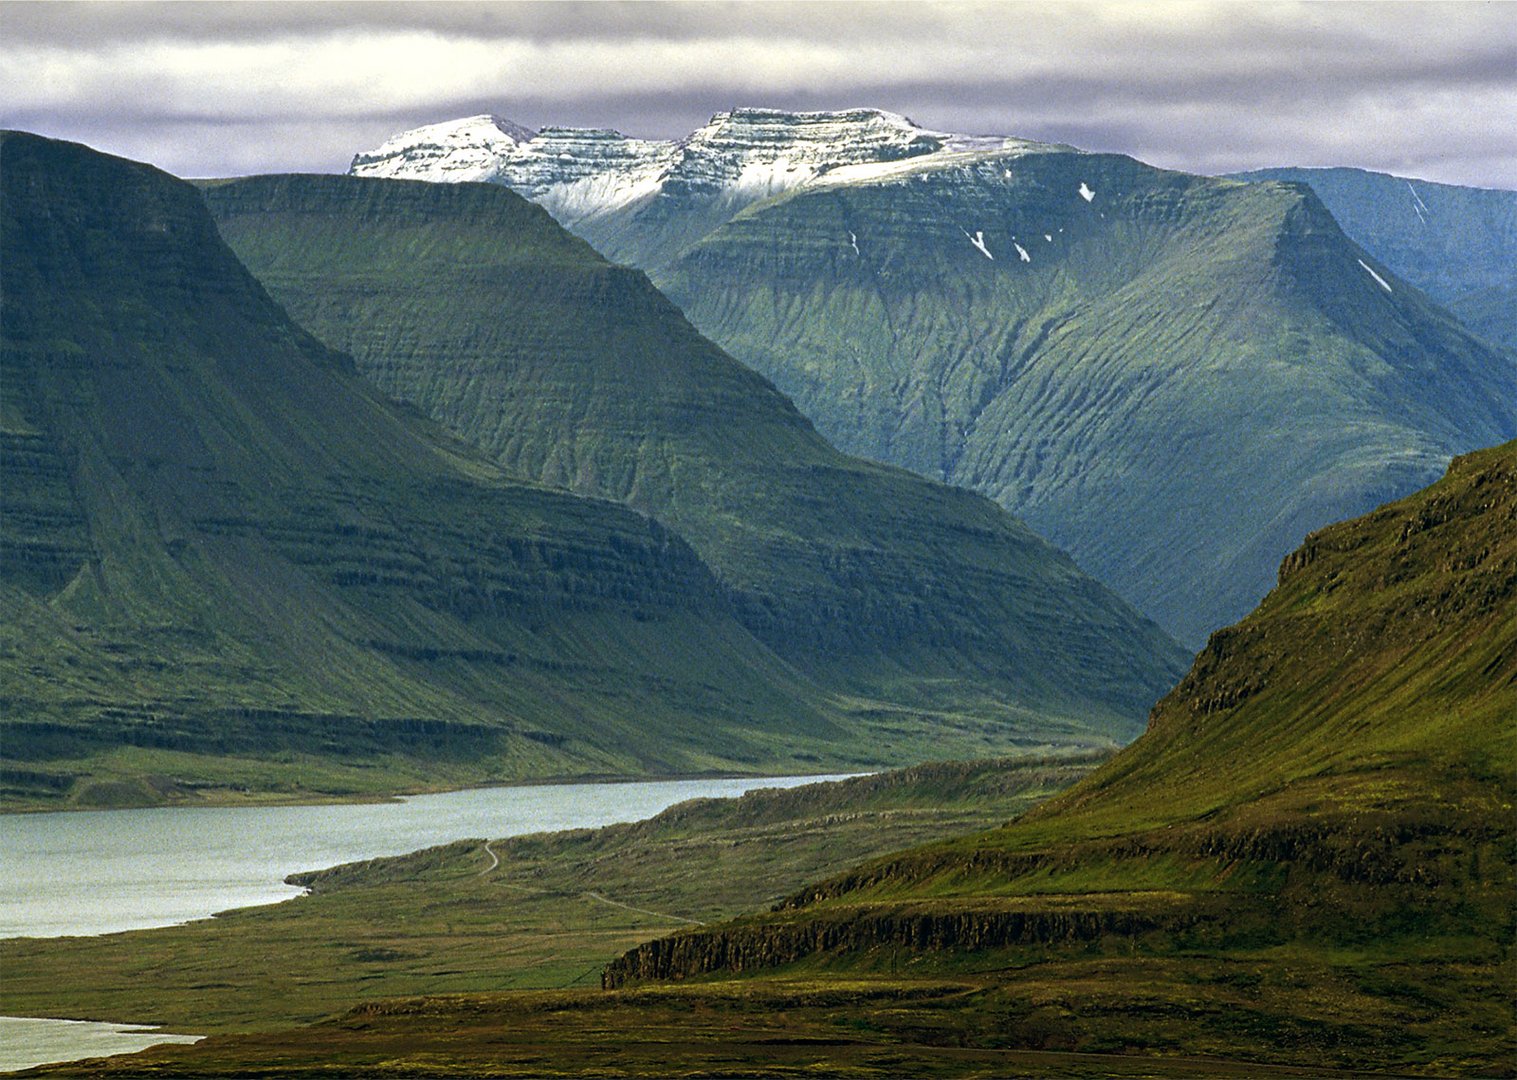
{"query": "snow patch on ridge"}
(1086, 193)
(1417, 203)
(978, 240)
(1383, 283)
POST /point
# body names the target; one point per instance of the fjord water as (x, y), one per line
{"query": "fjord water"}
(113, 870)
(25, 1042)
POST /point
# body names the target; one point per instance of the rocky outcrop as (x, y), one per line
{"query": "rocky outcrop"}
(1404, 863)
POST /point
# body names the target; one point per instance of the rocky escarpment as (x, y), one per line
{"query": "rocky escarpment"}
(579, 169)
(739, 157)
(1380, 848)
(1305, 877)
(467, 149)
(745, 947)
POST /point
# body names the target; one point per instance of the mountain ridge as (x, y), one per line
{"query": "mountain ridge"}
(1456, 243)
(739, 157)
(1103, 387)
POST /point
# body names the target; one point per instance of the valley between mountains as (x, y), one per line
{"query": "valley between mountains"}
(1149, 539)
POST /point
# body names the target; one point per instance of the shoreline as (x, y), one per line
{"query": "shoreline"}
(225, 798)
(60, 1040)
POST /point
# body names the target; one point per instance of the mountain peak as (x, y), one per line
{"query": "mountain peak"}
(738, 157)
(760, 152)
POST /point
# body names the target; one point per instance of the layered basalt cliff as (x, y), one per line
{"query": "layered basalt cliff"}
(221, 545)
(745, 948)
(475, 306)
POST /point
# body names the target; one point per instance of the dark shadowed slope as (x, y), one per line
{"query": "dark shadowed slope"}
(229, 563)
(472, 304)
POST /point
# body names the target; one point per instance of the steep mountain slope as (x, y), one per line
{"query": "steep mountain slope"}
(1173, 378)
(472, 304)
(1181, 379)
(1335, 775)
(229, 563)
(1457, 244)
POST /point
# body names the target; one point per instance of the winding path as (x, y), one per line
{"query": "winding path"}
(495, 863)
(494, 859)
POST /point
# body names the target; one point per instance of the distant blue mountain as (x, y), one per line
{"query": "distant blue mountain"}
(1457, 244)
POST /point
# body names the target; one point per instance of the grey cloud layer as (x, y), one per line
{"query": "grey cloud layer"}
(217, 88)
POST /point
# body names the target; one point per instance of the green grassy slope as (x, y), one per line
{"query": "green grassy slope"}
(1326, 800)
(1379, 677)
(832, 1028)
(1457, 244)
(1182, 379)
(472, 304)
(229, 563)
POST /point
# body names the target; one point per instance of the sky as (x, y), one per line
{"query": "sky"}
(1420, 89)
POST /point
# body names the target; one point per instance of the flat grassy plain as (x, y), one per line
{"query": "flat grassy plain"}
(474, 960)
(862, 1028)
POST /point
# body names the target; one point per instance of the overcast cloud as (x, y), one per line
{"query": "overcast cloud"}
(1426, 90)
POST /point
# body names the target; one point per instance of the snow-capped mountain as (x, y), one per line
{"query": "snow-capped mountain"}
(739, 157)
(1112, 351)
(458, 150)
